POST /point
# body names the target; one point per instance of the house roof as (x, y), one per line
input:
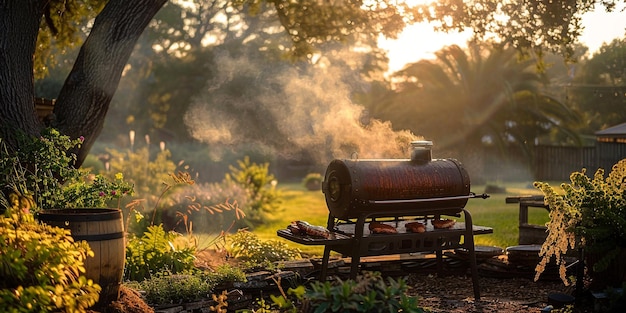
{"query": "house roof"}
(616, 130)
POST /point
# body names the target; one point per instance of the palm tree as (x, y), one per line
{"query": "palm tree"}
(466, 99)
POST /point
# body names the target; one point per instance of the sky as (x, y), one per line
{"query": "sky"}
(419, 42)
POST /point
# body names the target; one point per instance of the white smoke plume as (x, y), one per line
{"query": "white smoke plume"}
(312, 110)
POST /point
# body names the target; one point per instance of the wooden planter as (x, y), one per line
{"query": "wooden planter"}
(103, 229)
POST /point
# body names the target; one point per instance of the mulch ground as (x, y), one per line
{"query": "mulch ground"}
(455, 294)
(452, 294)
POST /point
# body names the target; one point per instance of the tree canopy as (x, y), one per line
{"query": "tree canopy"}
(530, 26)
(84, 99)
(30, 28)
(598, 87)
(467, 98)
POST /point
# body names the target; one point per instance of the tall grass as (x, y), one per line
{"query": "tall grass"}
(301, 204)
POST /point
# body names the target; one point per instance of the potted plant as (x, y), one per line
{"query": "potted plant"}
(589, 213)
(41, 178)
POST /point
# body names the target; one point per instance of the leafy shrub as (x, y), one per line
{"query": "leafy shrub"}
(42, 170)
(146, 172)
(224, 274)
(158, 251)
(94, 191)
(285, 302)
(260, 186)
(588, 212)
(211, 207)
(41, 268)
(312, 181)
(247, 247)
(93, 164)
(368, 293)
(166, 288)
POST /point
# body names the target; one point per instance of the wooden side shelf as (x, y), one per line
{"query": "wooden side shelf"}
(529, 234)
(353, 239)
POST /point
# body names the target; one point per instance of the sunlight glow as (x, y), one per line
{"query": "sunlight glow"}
(420, 41)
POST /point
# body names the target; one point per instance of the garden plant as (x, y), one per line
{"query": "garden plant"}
(42, 267)
(590, 214)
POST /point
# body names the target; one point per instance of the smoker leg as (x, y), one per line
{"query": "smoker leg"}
(330, 225)
(439, 257)
(325, 261)
(469, 245)
(356, 249)
(354, 266)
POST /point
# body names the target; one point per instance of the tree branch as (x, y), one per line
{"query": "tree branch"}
(86, 95)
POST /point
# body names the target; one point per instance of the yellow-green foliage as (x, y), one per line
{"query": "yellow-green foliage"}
(260, 185)
(42, 171)
(247, 247)
(589, 211)
(147, 172)
(158, 251)
(312, 181)
(42, 268)
(167, 288)
(368, 293)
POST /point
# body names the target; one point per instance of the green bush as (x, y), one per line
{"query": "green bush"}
(93, 164)
(368, 293)
(42, 268)
(41, 173)
(263, 197)
(147, 172)
(588, 212)
(211, 207)
(256, 253)
(167, 288)
(312, 181)
(158, 251)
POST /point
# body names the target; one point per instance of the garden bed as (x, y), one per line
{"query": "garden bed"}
(438, 294)
(450, 293)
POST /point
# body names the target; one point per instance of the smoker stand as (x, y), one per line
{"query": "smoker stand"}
(352, 238)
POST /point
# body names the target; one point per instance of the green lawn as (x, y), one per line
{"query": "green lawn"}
(301, 204)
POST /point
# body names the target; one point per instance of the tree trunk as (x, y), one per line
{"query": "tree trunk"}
(84, 100)
(19, 25)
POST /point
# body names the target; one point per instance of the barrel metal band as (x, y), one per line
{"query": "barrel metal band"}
(80, 215)
(99, 237)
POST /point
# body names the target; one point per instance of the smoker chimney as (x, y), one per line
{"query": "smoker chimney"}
(421, 151)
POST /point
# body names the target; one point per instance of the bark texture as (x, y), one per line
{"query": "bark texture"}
(84, 100)
(19, 24)
(86, 95)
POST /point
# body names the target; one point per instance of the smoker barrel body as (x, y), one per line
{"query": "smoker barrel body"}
(356, 187)
(359, 192)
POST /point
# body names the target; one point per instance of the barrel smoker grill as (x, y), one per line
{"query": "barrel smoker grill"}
(396, 192)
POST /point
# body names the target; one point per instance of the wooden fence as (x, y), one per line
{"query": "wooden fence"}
(551, 163)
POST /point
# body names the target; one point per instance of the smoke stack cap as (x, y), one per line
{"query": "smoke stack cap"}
(421, 150)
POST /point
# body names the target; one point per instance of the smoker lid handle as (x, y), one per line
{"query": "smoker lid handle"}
(469, 196)
(482, 196)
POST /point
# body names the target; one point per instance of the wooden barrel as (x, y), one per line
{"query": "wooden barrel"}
(103, 229)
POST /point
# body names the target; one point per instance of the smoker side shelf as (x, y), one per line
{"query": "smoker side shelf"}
(349, 228)
(407, 242)
(380, 244)
(334, 239)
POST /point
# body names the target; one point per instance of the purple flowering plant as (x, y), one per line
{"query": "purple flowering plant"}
(96, 191)
(41, 176)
